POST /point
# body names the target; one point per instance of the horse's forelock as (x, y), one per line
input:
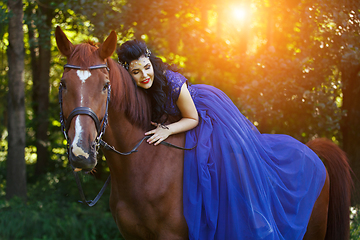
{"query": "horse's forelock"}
(83, 54)
(127, 98)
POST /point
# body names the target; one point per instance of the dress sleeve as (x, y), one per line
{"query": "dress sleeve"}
(175, 81)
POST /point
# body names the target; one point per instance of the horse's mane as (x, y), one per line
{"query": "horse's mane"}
(82, 54)
(127, 97)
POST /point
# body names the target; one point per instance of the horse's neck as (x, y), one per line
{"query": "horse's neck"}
(121, 133)
(155, 165)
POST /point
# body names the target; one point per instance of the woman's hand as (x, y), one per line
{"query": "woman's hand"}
(160, 133)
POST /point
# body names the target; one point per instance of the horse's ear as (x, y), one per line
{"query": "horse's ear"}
(63, 43)
(109, 46)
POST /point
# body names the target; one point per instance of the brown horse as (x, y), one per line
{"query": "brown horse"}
(146, 186)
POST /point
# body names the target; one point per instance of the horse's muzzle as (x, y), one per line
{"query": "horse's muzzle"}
(83, 159)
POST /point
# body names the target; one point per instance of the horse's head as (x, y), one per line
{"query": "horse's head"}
(84, 94)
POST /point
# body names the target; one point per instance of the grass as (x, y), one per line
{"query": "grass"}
(52, 212)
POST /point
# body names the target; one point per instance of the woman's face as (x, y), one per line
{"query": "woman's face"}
(142, 71)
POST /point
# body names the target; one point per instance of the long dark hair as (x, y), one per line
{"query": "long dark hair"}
(134, 49)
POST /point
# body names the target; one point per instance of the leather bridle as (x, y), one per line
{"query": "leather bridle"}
(100, 127)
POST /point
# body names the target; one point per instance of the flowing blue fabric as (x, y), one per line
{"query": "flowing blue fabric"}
(238, 183)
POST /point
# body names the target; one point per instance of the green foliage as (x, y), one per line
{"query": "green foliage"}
(95, 17)
(53, 212)
(355, 223)
(3, 66)
(3, 20)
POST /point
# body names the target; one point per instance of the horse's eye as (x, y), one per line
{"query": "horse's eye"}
(106, 86)
(62, 84)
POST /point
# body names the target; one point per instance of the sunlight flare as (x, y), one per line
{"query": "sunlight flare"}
(239, 13)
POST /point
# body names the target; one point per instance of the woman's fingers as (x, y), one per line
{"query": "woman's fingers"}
(157, 138)
(154, 138)
(150, 132)
(158, 142)
(159, 134)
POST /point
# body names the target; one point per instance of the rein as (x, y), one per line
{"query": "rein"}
(109, 147)
(100, 127)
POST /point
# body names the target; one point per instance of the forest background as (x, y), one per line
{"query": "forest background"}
(291, 66)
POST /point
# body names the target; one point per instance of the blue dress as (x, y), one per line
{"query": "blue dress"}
(238, 183)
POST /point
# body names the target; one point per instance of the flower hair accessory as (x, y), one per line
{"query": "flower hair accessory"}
(126, 64)
(147, 53)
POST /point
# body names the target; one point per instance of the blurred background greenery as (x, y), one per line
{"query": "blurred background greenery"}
(291, 66)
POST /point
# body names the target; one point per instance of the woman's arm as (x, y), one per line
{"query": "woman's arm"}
(188, 121)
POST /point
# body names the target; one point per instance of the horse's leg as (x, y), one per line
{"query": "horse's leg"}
(316, 229)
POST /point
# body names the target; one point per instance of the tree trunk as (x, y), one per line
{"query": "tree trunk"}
(350, 126)
(16, 167)
(41, 80)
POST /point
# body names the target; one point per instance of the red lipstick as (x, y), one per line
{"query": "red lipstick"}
(145, 81)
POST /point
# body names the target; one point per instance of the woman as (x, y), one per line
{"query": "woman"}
(238, 183)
